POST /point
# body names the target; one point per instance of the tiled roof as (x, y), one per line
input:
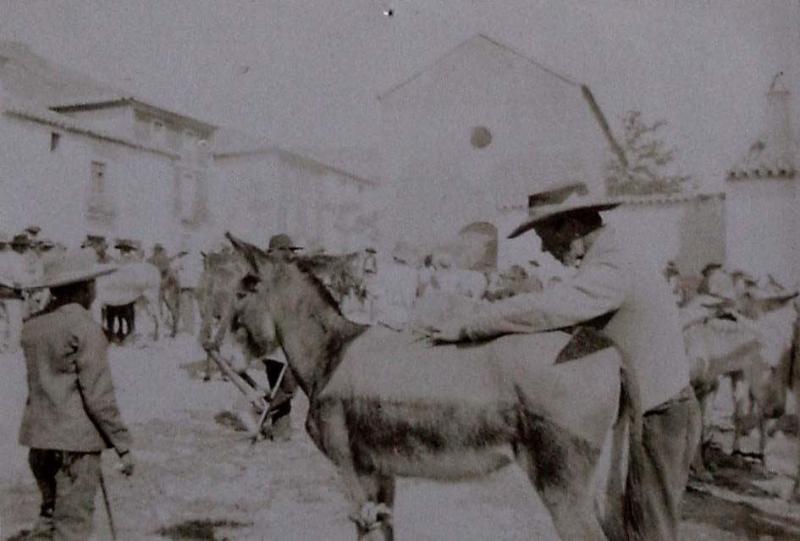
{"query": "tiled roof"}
(40, 114)
(230, 143)
(765, 159)
(29, 76)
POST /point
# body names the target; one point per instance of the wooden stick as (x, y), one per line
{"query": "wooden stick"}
(253, 395)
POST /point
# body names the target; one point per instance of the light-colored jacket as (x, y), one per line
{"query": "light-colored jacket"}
(645, 324)
(71, 404)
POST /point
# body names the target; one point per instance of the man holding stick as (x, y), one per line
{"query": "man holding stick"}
(71, 414)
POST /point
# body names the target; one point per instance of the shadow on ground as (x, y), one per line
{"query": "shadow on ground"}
(735, 516)
(198, 530)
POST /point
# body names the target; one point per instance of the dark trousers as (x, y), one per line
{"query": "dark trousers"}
(282, 403)
(68, 483)
(670, 437)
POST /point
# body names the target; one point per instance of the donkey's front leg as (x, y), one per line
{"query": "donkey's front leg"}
(327, 426)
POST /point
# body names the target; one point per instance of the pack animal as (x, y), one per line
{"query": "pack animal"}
(759, 355)
(382, 404)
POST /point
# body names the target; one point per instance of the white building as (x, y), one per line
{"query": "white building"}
(264, 190)
(478, 131)
(762, 198)
(83, 158)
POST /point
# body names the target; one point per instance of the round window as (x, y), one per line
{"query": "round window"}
(481, 137)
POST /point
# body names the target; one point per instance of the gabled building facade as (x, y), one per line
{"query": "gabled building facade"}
(477, 132)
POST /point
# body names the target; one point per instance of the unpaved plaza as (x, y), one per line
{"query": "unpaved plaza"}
(198, 477)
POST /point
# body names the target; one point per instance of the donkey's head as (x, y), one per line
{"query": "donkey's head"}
(257, 298)
(282, 293)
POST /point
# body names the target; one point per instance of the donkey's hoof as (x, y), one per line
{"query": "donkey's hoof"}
(370, 515)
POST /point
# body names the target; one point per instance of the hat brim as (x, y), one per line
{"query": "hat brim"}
(558, 211)
(74, 277)
(292, 248)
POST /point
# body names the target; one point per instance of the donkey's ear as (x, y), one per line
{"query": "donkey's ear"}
(251, 253)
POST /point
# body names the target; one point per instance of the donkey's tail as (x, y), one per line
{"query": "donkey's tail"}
(624, 515)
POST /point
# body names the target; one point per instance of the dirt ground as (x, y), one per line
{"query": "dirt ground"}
(199, 478)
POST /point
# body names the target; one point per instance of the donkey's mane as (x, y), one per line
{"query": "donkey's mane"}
(306, 268)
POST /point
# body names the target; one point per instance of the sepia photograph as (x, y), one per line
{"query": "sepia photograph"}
(399, 270)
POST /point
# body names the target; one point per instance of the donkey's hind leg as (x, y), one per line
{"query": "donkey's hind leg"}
(561, 466)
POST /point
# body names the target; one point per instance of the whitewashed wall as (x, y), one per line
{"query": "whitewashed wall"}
(270, 192)
(763, 228)
(542, 128)
(50, 188)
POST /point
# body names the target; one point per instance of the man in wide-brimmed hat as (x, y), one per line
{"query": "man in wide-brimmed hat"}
(99, 244)
(283, 248)
(20, 243)
(627, 297)
(129, 250)
(71, 413)
(281, 245)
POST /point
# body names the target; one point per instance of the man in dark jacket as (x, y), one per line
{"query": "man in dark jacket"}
(71, 414)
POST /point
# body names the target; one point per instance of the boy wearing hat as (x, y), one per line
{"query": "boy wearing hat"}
(71, 413)
(627, 297)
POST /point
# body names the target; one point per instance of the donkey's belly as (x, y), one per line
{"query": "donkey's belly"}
(431, 440)
(444, 466)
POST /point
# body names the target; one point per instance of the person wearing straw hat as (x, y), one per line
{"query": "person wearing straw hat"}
(281, 245)
(71, 413)
(626, 296)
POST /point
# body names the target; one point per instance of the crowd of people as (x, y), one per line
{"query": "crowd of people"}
(21, 263)
(608, 293)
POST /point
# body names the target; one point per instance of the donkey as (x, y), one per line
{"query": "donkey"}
(758, 353)
(384, 404)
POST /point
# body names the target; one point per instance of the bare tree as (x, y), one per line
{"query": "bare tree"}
(648, 156)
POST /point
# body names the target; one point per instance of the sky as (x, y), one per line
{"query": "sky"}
(306, 73)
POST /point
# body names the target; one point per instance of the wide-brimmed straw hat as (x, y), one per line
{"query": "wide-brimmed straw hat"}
(127, 244)
(21, 240)
(282, 242)
(70, 267)
(558, 200)
(94, 240)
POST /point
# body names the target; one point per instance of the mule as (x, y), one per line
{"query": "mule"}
(716, 348)
(758, 353)
(131, 283)
(383, 404)
(766, 384)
